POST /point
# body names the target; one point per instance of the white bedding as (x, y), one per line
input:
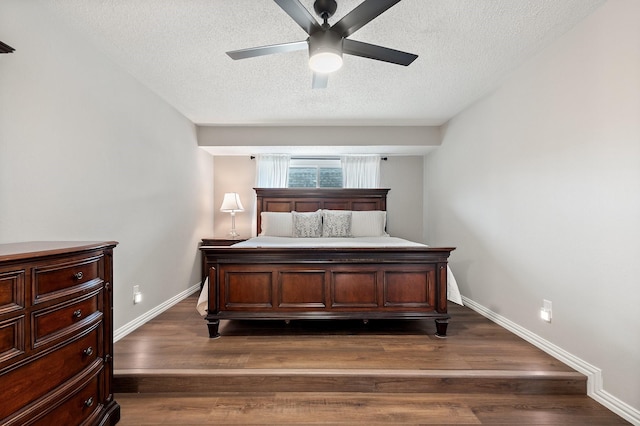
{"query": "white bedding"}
(453, 293)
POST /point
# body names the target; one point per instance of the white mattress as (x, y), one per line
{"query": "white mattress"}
(453, 293)
(327, 242)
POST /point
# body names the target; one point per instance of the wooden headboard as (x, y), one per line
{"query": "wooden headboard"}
(312, 199)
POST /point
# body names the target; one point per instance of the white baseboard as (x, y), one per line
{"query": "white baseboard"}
(594, 374)
(149, 315)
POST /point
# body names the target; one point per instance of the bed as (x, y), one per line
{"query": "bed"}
(326, 276)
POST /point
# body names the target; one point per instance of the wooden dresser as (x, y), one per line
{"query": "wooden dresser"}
(56, 334)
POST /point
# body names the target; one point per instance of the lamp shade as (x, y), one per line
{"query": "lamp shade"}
(231, 203)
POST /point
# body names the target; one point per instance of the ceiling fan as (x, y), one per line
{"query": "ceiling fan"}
(327, 43)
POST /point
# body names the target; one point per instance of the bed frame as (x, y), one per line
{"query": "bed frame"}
(325, 283)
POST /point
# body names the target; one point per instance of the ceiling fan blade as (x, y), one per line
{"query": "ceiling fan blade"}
(361, 15)
(5, 48)
(319, 80)
(300, 14)
(373, 51)
(252, 52)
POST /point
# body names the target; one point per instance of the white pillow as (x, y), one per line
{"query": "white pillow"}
(276, 224)
(368, 223)
(336, 223)
(307, 225)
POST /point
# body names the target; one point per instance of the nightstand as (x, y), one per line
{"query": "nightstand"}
(221, 241)
(215, 242)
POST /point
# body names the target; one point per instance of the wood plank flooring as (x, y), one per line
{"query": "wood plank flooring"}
(343, 372)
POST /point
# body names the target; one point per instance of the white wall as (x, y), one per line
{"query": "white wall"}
(538, 186)
(322, 139)
(402, 174)
(88, 153)
(235, 174)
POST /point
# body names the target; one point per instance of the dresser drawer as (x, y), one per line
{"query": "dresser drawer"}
(57, 280)
(11, 291)
(63, 320)
(11, 339)
(30, 381)
(78, 408)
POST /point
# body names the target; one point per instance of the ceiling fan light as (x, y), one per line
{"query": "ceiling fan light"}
(325, 51)
(325, 62)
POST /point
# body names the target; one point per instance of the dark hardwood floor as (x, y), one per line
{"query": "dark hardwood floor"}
(343, 372)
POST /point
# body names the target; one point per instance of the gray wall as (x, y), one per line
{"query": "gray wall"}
(538, 186)
(402, 174)
(88, 153)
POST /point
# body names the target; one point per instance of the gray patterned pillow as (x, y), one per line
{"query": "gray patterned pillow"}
(336, 223)
(307, 225)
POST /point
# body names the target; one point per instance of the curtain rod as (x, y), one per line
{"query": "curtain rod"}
(317, 158)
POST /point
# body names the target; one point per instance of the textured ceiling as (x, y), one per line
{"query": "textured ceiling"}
(177, 48)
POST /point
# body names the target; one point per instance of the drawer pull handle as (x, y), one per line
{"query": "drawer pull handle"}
(88, 351)
(77, 314)
(89, 402)
(78, 275)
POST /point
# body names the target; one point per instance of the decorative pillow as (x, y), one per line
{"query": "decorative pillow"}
(336, 223)
(369, 223)
(276, 224)
(307, 225)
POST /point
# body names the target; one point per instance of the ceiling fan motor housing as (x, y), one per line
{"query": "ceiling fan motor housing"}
(325, 8)
(325, 43)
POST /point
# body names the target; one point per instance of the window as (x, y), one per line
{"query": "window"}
(315, 173)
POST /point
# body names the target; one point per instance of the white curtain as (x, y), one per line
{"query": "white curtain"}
(272, 170)
(360, 171)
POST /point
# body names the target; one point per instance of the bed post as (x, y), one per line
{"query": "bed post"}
(441, 324)
(212, 323)
(441, 327)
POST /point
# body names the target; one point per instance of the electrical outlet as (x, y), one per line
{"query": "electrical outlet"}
(137, 295)
(546, 311)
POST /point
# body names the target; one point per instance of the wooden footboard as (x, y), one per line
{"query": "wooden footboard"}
(326, 283)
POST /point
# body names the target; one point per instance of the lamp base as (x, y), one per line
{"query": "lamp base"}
(233, 234)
